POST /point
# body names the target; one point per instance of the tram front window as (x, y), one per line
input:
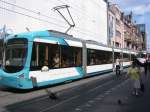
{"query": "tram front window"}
(15, 55)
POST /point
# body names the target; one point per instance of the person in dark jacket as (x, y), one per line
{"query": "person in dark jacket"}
(145, 67)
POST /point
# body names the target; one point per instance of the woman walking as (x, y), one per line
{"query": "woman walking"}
(134, 73)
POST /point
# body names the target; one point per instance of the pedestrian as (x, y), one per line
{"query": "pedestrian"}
(118, 65)
(134, 73)
(145, 66)
(149, 64)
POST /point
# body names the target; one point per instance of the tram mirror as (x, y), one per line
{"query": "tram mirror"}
(44, 69)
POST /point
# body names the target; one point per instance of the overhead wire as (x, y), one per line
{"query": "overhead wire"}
(29, 10)
(41, 15)
(75, 9)
(39, 19)
(35, 12)
(31, 17)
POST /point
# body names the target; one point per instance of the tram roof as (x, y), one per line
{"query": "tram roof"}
(47, 33)
(32, 35)
(52, 33)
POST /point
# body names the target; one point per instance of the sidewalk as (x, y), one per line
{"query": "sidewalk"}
(129, 103)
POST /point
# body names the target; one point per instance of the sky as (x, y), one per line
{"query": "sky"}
(140, 9)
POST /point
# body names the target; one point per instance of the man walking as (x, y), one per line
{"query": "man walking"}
(118, 66)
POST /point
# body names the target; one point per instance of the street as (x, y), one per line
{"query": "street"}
(95, 94)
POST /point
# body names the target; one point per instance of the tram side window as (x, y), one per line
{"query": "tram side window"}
(55, 56)
(126, 57)
(71, 56)
(45, 55)
(34, 56)
(39, 55)
(98, 57)
(1, 44)
(91, 57)
(0, 56)
(133, 57)
(105, 57)
(77, 56)
(117, 55)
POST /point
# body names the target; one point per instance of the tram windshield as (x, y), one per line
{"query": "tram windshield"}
(1, 48)
(15, 55)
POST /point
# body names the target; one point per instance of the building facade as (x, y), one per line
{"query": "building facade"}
(132, 35)
(142, 29)
(117, 38)
(123, 32)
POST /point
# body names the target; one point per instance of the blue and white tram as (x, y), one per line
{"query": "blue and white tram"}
(36, 59)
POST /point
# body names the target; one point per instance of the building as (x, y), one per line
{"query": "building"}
(111, 25)
(142, 29)
(115, 19)
(132, 34)
(122, 31)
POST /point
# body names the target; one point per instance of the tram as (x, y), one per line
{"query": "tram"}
(143, 57)
(41, 58)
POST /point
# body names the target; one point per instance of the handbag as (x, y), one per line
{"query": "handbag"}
(142, 87)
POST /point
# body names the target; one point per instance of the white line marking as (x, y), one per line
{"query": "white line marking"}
(88, 105)
(98, 98)
(91, 101)
(78, 109)
(100, 86)
(49, 108)
(113, 88)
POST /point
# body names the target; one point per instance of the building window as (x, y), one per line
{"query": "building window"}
(117, 22)
(118, 34)
(111, 27)
(117, 44)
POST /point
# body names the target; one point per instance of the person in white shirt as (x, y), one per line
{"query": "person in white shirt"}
(118, 64)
